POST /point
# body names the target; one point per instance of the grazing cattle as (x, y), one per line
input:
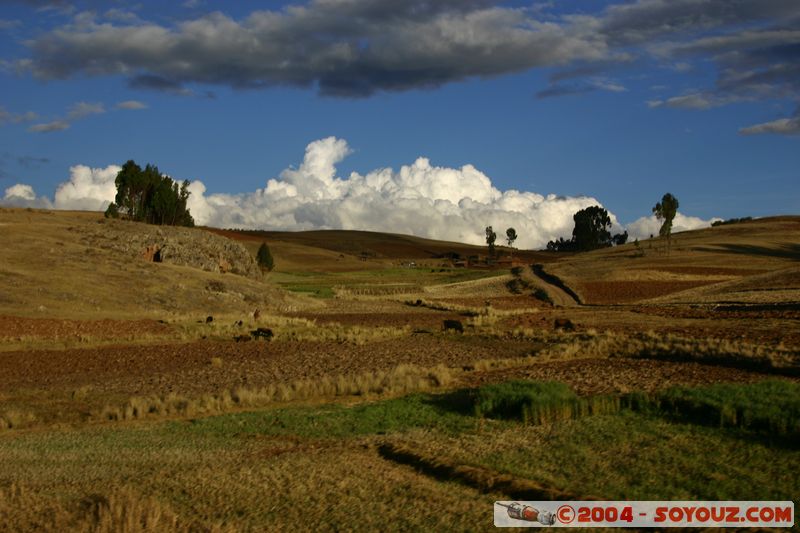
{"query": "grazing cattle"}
(209, 319)
(242, 338)
(262, 333)
(256, 314)
(564, 324)
(454, 325)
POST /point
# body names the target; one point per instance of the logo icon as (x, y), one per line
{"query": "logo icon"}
(527, 513)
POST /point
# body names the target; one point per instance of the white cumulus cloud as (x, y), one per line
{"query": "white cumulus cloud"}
(644, 227)
(88, 189)
(420, 199)
(453, 204)
(22, 195)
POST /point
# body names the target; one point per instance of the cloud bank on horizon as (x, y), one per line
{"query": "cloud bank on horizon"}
(356, 48)
(453, 204)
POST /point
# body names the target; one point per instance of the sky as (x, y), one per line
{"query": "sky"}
(430, 118)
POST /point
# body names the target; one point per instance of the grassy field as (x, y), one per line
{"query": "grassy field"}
(123, 408)
(249, 470)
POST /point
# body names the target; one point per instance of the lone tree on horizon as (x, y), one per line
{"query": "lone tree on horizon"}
(491, 236)
(665, 211)
(511, 236)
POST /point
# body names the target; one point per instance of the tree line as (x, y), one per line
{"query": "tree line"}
(592, 225)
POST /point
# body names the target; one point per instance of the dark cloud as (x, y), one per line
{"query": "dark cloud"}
(354, 48)
(645, 20)
(343, 47)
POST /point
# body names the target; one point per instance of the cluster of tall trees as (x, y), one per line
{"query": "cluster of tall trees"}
(146, 195)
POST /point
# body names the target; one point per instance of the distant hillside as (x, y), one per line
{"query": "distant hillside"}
(378, 245)
(746, 262)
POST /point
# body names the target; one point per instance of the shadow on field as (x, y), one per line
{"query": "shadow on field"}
(787, 251)
(460, 402)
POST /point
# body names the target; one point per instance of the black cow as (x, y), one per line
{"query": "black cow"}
(262, 333)
(454, 325)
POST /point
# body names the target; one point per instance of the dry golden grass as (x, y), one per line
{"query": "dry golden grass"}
(777, 359)
(402, 379)
(16, 419)
(203, 484)
(122, 510)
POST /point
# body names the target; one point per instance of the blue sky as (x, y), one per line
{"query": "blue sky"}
(618, 102)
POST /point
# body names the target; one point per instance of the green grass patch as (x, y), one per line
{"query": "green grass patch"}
(318, 291)
(769, 407)
(537, 402)
(437, 412)
(637, 456)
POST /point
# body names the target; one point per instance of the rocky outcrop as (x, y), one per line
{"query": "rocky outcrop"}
(174, 245)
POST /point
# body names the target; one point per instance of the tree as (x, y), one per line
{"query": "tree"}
(264, 257)
(146, 195)
(491, 236)
(591, 228)
(665, 211)
(590, 232)
(112, 211)
(511, 236)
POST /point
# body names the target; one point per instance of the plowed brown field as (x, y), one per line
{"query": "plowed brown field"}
(12, 327)
(612, 292)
